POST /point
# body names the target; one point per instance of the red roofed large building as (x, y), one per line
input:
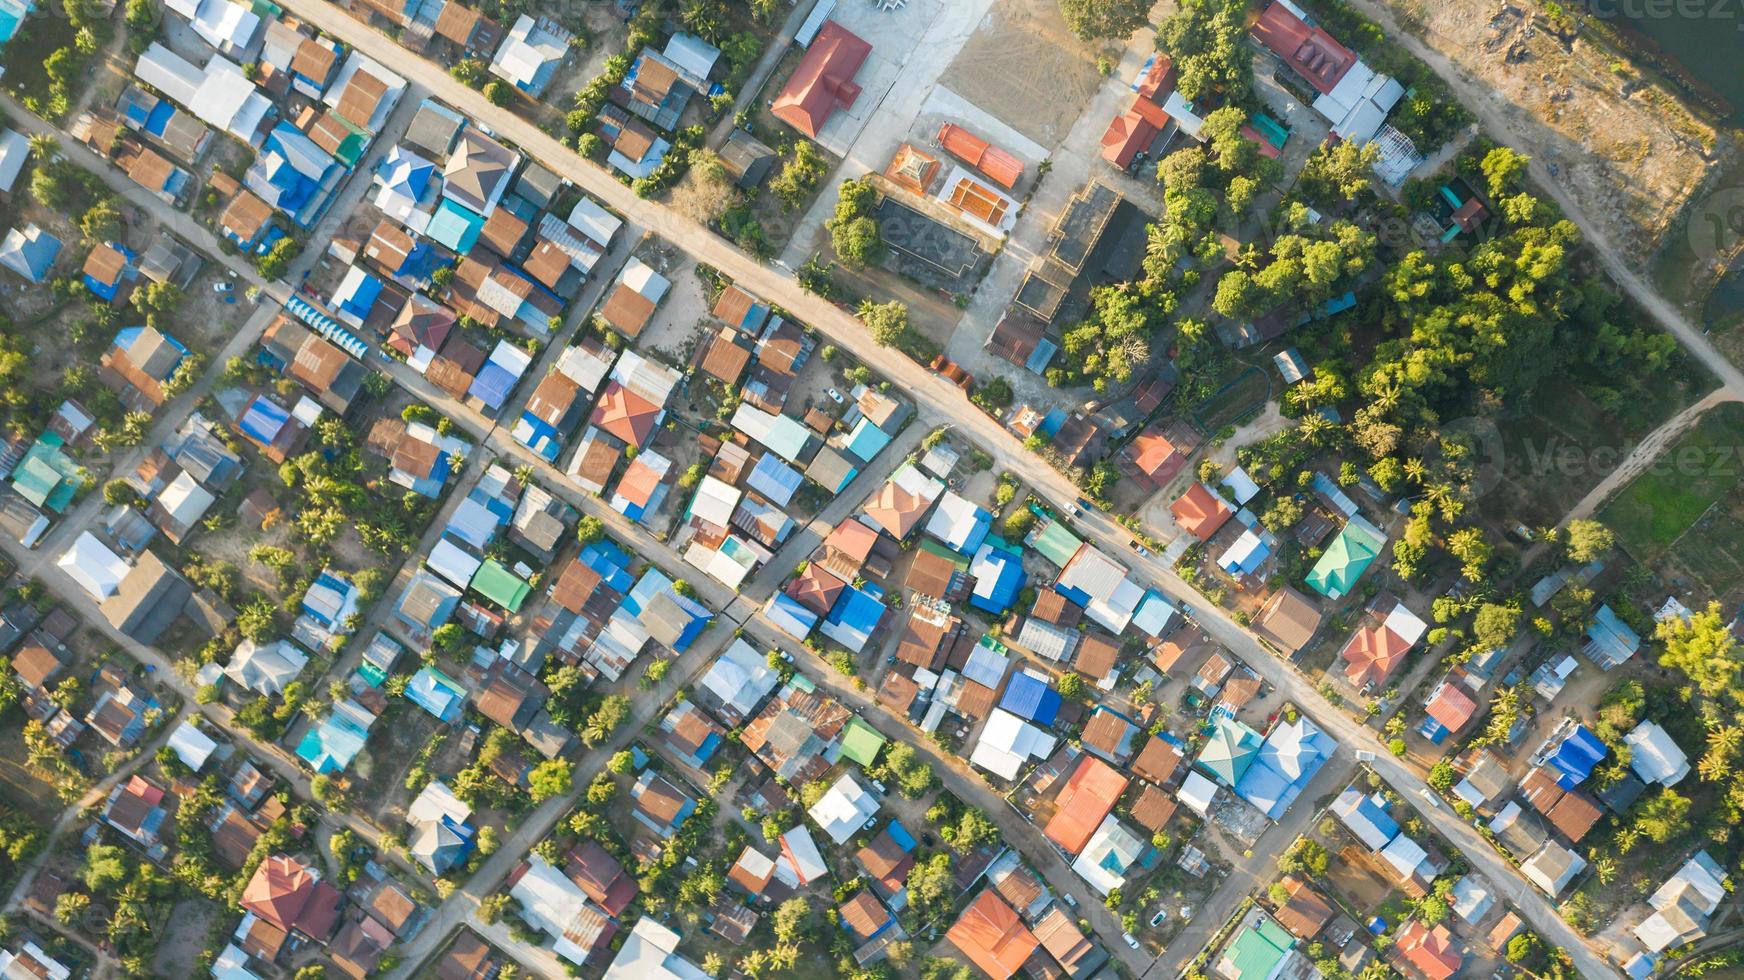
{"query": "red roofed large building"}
(1200, 512)
(824, 80)
(1310, 51)
(992, 936)
(992, 161)
(1087, 797)
(287, 895)
(1433, 954)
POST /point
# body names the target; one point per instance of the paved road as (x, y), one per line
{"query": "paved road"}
(937, 399)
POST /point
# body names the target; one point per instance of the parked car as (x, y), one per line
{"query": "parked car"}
(1157, 920)
(1130, 940)
(1364, 755)
(835, 395)
(1073, 902)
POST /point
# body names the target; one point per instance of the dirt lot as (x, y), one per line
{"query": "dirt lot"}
(1058, 72)
(1630, 153)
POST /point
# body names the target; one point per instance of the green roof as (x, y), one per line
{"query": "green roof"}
(1256, 950)
(1055, 543)
(500, 585)
(1231, 748)
(1344, 561)
(933, 547)
(861, 743)
(46, 476)
(351, 148)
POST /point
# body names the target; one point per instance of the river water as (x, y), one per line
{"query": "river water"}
(1699, 41)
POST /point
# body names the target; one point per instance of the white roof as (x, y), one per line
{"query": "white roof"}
(14, 150)
(1404, 854)
(1197, 792)
(1405, 624)
(1092, 572)
(552, 903)
(1703, 875)
(1472, 898)
(184, 500)
(649, 954)
(844, 809)
(1538, 867)
(434, 803)
(954, 520)
(226, 25)
(1007, 742)
(641, 277)
(265, 669)
(592, 219)
(1654, 756)
(232, 964)
(1237, 554)
(585, 367)
(453, 563)
(692, 53)
(1242, 485)
(219, 95)
(715, 501)
(1115, 611)
(650, 379)
(800, 862)
(191, 745)
(1112, 849)
(90, 563)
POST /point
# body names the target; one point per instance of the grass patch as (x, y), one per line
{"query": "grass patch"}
(48, 32)
(1240, 397)
(1651, 513)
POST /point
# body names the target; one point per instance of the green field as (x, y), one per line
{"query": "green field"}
(1653, 512)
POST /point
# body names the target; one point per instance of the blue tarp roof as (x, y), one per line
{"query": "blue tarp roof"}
(901, 836)
(612, 564)
(853, 619)
(1576, 757)
(774, 479)
(264, 419)
(492, 385)
(1029, 697)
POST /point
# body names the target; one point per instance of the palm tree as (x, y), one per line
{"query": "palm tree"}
(45, 146)
(1626, 839)
(1415, 470)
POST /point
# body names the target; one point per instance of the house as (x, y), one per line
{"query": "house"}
(845, 809)
(746, 159)
(441, 839)
(735, 685)
(138, 365)
(793, 731)
(1087, 798)
(1287, 761)
(30, 960)
(1304, 913)
(29, 252)
(477, 173)
(135, 809)
(1109, 735)
(601, 877)
(108, 267)
(147, 600)
(289, 896)
(1682, 906)
(1260, 948)
(1610, 641)
(531, 53)
(650, 954)
(1366, 817)
(823, 81)
(265, 669)
(1378, 649)
(1654, 756)
(1346, 558)
(438, 694)
(629, 307)
(14, 151)
(1288, 621)
(330, 746)
(992, 936)
(1552, 867)
(1353, 97)
(659, 805)
(1430, 953)
(1007, 743)
(556, 906)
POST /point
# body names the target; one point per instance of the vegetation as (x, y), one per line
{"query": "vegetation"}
(854, 231)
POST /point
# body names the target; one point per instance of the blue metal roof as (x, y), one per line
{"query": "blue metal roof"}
(774, 479)
(790, 616)
(613, 566)
(853, 619)
(999, 576)
(493, 384)
(901, 836)
(264, 419)
(1029, 697)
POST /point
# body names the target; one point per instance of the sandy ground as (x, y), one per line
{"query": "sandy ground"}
(1631, 160)
(1058, 73)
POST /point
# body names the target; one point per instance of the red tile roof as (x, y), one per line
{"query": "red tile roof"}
(983, 156)
(1127, 134)
(824, 80)
(1320, 60)
(625, 414)
(1372, 655)
(1452, 706)
(1431, 953)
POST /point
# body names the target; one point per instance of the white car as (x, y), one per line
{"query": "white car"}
(1430, 798)
(1363, 755)
(1130, 940)
(835, 395)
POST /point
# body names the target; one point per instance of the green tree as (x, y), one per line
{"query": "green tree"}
(105, 867)
(550, 778)
(101, 222)
(621, 762)
(1070, 685)
(1588, 540)
(1094, 20)
(887, 322)
(589, 529)
(792, 920)
(1495, 625)
(854, 232)
(1703, 649)
(1503, 167)
(498, 92)
(1664, 816)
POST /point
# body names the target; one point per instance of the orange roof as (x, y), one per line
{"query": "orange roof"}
(993, 938)
(824, 80)
(1200, 512)
(281, 886)
(1373, 654)
(912, 169)
(1155, 456)
(1126, 135)
(1451, 706)
(1087, 797)
(1156, 84)
(980, 154)
(1432, 953)
(1159, 760)
(979, 201)
(625, 414)
(852, 538)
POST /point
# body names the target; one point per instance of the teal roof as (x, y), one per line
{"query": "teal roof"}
(1055, 543)
(46, 476)
(861, 743)
(1230, 750)
(1344, 560)
(454, 227)
(866, 440)
(1256, 950)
